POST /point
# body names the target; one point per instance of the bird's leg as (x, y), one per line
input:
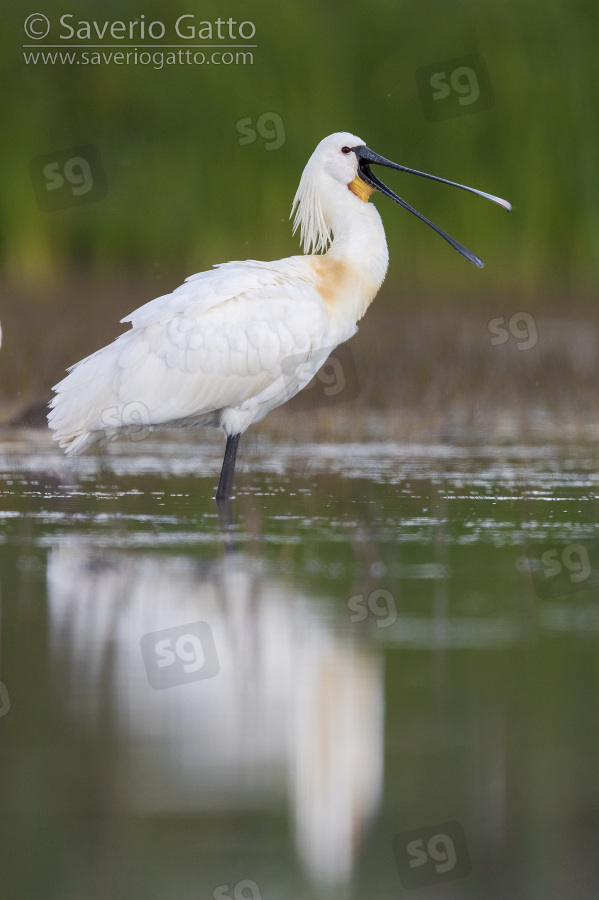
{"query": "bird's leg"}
(225, 483)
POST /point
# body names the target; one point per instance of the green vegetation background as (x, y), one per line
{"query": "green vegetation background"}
(183, 193)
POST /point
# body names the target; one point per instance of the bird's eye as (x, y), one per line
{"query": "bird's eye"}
(346, 149)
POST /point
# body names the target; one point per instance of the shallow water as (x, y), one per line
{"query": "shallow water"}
(385, 679)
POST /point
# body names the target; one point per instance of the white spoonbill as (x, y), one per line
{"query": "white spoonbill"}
(230, 344)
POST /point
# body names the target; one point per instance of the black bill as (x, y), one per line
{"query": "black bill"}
(366, 156)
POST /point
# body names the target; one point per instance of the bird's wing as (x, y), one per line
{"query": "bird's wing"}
(217, 342)
(205, 290)
(224, 356)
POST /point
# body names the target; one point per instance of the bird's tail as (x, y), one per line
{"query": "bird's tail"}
(85, 408)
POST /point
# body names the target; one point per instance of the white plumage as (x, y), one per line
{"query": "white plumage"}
(213, 352)
(232, 343)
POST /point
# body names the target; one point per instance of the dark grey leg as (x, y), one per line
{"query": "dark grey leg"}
(225, 484)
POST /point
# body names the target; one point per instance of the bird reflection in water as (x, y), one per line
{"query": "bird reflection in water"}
(295, 706)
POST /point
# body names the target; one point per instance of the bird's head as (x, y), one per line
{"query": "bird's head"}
(342, 162)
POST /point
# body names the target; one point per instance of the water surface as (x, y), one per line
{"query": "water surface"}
(382, 683)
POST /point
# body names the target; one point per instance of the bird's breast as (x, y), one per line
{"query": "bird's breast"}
(346, 289)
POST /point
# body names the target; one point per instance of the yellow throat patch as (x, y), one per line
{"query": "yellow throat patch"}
(361, 189)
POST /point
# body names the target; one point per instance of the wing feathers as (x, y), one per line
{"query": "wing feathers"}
(232, 337)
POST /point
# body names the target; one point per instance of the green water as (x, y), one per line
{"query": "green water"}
(397, 639)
